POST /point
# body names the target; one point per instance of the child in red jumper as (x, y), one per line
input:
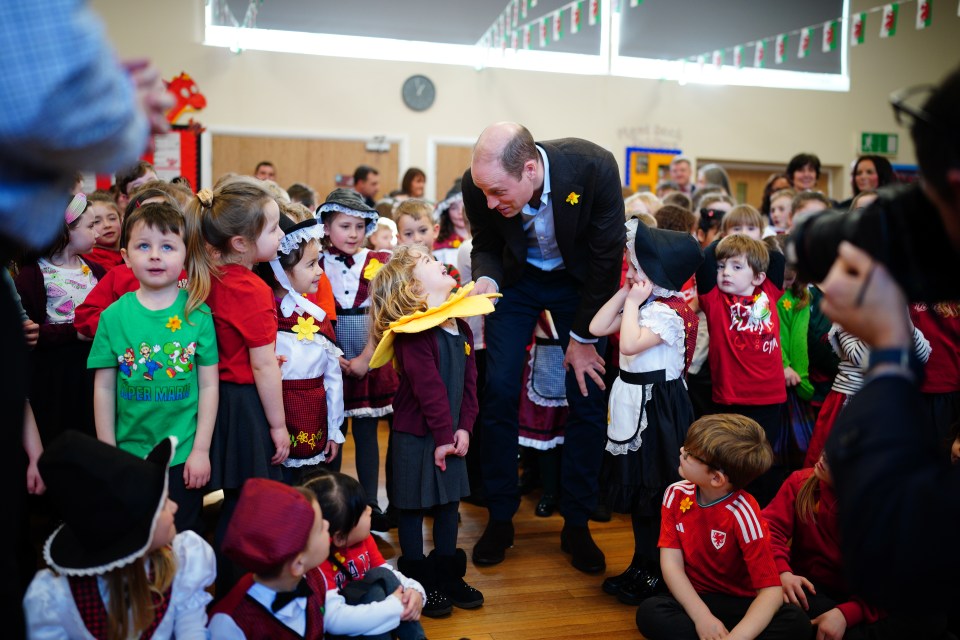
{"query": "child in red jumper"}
(805, 536)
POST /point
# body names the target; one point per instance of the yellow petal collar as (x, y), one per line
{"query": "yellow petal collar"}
(459, 305)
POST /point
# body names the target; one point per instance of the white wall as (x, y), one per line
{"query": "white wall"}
(312, 95)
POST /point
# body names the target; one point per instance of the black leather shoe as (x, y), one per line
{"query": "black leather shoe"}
(601, 513)
(647, 583)
(613, 584)
(378, 520)
(547, 506)
(492, 545)
(578, 542)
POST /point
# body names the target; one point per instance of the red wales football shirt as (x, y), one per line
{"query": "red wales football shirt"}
(726, 546)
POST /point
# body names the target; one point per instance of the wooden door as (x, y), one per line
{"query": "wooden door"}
(747, 180)
(319, 163)
(452, 161)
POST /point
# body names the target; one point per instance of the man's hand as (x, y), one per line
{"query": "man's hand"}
(152, 96)
(861, 296)
(483, 285)
(584, 360)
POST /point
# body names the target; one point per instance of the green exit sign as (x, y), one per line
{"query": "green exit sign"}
(885, 144)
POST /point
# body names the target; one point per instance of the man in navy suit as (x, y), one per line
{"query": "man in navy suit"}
(548, 233)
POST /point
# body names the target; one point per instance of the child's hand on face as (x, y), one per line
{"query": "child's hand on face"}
(791, 376)
(281, 440)
(196, 471)
(412, 605)
(440, 455)
(640, 291)
(461, 442)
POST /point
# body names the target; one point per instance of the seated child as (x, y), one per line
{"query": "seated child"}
(118, 568)
(278, 534)
(715, 550)
(360, 582)
(746, 365)
(805, 536)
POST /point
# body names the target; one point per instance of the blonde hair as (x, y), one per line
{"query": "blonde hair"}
(742, 214)
(234, 208)
(394, 291)
(416, 208)
(731, 443)
(130, 591)
(296, 211)
(642, 200)
(757, 254)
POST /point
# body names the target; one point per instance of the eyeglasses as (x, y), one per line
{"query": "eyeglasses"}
(686, 455)
(905, 102)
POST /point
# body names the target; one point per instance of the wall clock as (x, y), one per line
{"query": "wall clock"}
(418, 92)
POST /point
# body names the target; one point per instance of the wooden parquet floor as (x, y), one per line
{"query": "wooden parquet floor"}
(535, 594)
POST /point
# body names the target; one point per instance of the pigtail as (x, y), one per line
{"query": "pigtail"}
(200, 267)
(807, 499)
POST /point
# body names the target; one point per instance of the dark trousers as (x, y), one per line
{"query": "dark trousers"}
(13, 393)
(189, 502)
(770, 418)
(662, 617)
(916, 626)
(508, 332)
(377, 585)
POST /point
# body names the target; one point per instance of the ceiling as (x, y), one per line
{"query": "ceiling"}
(661, 29)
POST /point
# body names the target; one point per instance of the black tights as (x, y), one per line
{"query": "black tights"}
(410, 530)
(646, 533)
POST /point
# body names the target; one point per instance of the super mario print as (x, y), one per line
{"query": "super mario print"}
(172, 358)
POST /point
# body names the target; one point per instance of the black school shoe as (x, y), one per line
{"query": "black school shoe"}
(547, 506)
(379, 520)
(587, 556)
(613, 584)
(493, 544)
(647, 583)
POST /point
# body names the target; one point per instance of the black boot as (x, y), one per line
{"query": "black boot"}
(577, 541)
(450, 572)
(424, 571)
(492, 545)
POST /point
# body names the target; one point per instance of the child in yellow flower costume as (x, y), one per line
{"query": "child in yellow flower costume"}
(349, 265)
(310, 369)
(419, 327)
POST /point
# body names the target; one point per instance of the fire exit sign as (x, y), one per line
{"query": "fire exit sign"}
(885, 144)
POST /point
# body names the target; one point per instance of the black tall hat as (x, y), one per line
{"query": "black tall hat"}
(109, 499)
(350, 202)
(669, 258)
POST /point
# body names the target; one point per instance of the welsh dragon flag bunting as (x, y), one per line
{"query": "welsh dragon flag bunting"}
(718, 58)
(526, 36)
(542, 27)
(557, 25)
(576, 13)
(760, 54)
(593, 16)
(780, 53)
(888, 23)
(924, 13)
(804, 49)
(738, 56)
(858, 28)
(831, 29)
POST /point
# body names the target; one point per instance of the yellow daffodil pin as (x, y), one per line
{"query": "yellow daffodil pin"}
(466, 348)
(174, 323)
(685, 504)
(788, 304)
(85, 270)
(305, 329)
(456, 244)
(573, 198)
(372, 268)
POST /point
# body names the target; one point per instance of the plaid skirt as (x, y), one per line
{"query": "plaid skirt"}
(372, 395)
(305, 408)
(417, 482)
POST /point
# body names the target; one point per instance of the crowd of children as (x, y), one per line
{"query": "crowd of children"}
(228, 340)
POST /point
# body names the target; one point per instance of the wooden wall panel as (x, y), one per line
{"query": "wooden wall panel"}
(452, 161)
(315, 162)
